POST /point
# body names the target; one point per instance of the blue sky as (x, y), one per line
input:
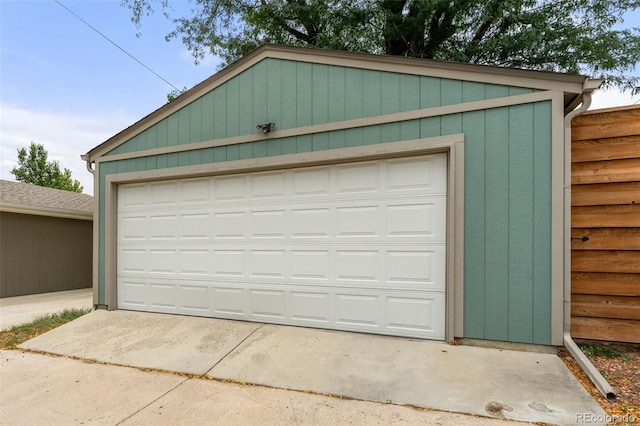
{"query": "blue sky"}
(64, 86)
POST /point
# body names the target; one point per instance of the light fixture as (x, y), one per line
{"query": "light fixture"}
(265, 127)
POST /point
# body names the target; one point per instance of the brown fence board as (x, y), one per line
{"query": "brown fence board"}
(607, 125)
(625, 262)
(630, 113)
(626, 216)
(605, 283)
(617, 330)
(627, 170)
(605, 194)
(606, 239)
(605, 306)
(605, 149)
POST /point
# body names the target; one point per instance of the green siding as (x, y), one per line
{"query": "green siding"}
(496, 194)
(292, 94)
(507, 289)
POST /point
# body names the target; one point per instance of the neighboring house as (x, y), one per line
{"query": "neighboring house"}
(346, 191)
(45, 239)
(606, 214)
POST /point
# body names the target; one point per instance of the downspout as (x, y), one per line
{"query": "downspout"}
(594, 375)
(85, 157)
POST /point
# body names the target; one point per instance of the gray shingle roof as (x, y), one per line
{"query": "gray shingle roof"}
(16, 196)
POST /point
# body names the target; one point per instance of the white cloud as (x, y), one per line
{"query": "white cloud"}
(65, 137)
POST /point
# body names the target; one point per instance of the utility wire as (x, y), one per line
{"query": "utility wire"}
(116, 45)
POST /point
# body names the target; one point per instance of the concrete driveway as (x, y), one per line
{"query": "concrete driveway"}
(47, 390)
(495, 383)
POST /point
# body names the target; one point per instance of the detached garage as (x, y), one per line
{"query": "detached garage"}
(345, 191)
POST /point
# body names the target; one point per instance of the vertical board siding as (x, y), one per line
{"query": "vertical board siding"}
(304, 86)
(542, 223)
(42, 254)
(605, 278)
(507, 247)
(294, 94)
(496, 229)
(474, 234)
(521, 190)
(507, 168)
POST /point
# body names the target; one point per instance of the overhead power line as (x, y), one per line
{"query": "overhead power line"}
(115, 44)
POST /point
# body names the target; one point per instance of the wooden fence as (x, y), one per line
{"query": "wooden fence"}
(605, 209)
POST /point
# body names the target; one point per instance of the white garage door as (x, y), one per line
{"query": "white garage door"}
(358, 246)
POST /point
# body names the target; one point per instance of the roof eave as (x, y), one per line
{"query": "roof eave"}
(45, 211)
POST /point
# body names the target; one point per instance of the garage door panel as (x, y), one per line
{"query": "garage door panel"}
(270, 185)
(194, 299)
(229, 189)
(358, 221)
(195, 226)
(267, 224)
(164, 193)
(132, 293)
(420, 219)
(415, 174)
(403, 267)
(132, 261)
(314, 308)
(163, 227)
(358, 310)
(310, 222)
(356, 247)
(195, 262)
(164, 295)
(415, 315)
(133, 195)
(404, 313)
(162, 261)
(357, 266)
(195, 191)
(229, 225)
(310, 264)
(411, 267)
(267, 304)
(311, 182)
(229, 263)
(132, 228)
(357, 178)
(268, 263)
(229, 302)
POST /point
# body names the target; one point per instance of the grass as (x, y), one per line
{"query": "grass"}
(598, 350)
(14, 336)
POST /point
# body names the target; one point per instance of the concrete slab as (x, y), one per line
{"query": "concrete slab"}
(38, 390)
(508, 384)
(516, 385)
(21, 309)
(200, 401)
(159, 341)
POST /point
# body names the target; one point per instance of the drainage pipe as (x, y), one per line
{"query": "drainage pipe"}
(86, 159)
(594, 375)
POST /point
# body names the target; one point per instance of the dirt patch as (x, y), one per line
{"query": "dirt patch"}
(619, 363)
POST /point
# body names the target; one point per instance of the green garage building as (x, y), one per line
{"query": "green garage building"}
(346, 191)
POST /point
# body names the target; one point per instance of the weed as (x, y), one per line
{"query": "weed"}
(594, 351)
(12, 337)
